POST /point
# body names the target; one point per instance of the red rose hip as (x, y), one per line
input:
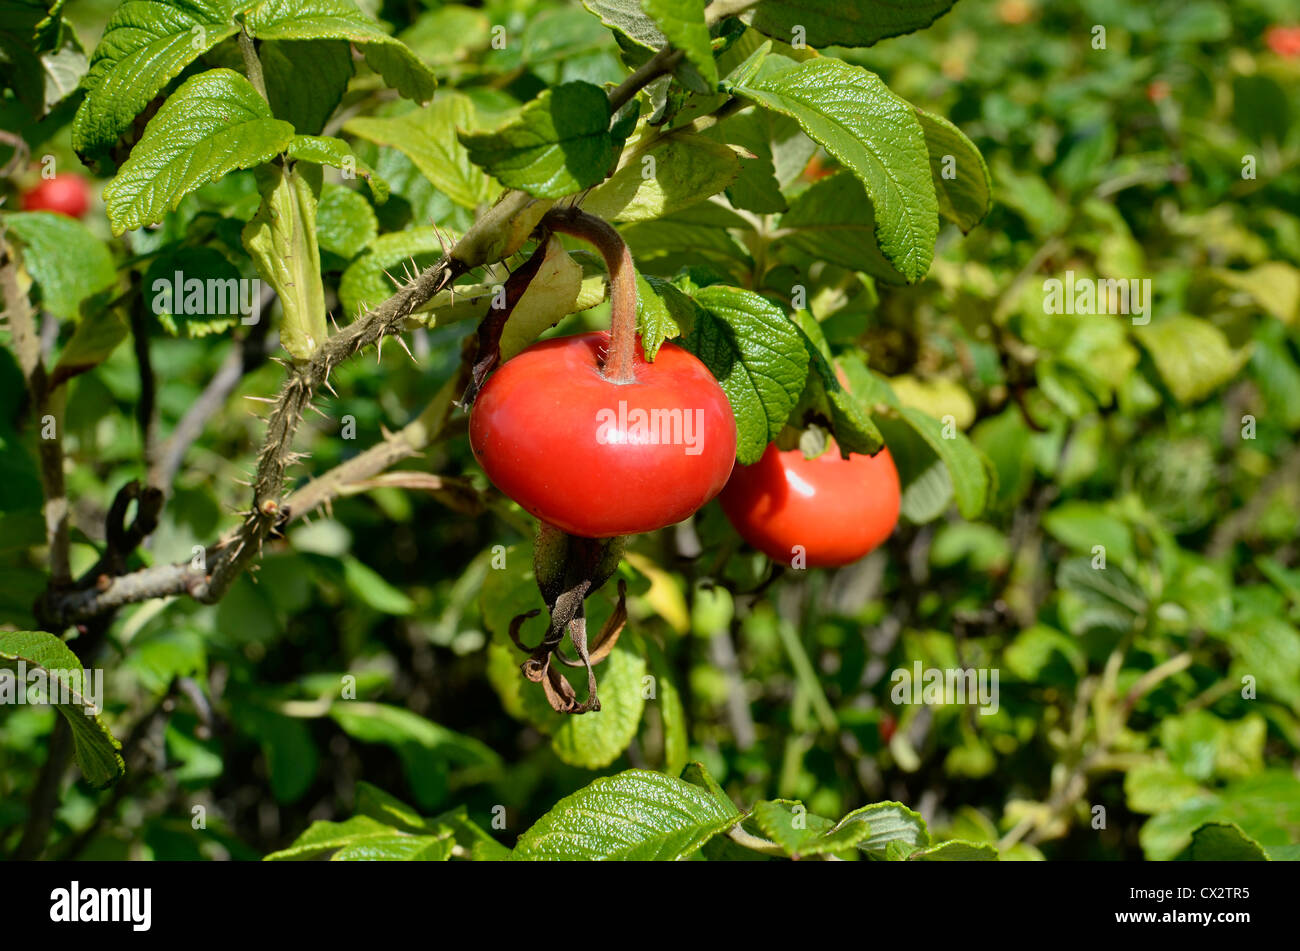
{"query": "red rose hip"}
(835, 509)
(599, 458)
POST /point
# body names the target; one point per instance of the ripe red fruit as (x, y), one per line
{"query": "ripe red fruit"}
(66, 193)
(598, 458)
(1284, 40)
(1158, 90)
(837, 509)
(888, 725)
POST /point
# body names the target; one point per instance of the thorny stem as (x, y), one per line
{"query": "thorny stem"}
(620, 364)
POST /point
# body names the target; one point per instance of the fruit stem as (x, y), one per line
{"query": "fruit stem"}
(618, 365)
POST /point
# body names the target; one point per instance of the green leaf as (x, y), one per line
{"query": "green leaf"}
(145, 46)
(629, 18)
(427, 137)
(67, 262)
(758, 357)
(398, 848)
(305, 80)
(557, 145)
(550, 296)
(94, 341)
(962, 182)
(800, 833)
(372, 590)
(876, 135)
(322, 837)
(780, 152)
(845, 22)
(697, 775)
(1106, 597)
(672, 712)
(663, 176)
(825, 400)
(594, 740)
(663, 312)
(281, 239)
(682, 22)
(956, 851)
(213, 124)
(65, 682)
(891, 824)
(635, 815)
(345, 222)
(1192, 355)
(327, 150)
(1222, 842)
(965, 464)
(1266, 807)
(211, 304)
(342, 20)
(833, 221)
(428, 751)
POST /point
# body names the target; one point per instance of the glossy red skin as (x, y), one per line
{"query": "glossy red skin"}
(837, 509)
(534, 430)
(66, 194)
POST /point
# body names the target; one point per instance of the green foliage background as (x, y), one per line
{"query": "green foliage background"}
(1165, 692)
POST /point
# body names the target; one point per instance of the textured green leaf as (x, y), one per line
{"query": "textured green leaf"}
(305, 80)
(956, 851)
(398, 848)
(345, 222)
(427, 137)
(800, 833)
(1192, 355)
(550, 296)
(213, 124)
(594, 740)
(327, 150)
(961, 176)
(98, 752)
(342, 20)
(663, 176)
(696, 774)
(682, 22)
(891, 824)
(67, 262)
(630, 19)
(635, 815)
(757, 355)
(322, 837)
(145, 46)
(558, 144)
(845, 22)
(876, 135)
(281, 238)
(663, 312)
